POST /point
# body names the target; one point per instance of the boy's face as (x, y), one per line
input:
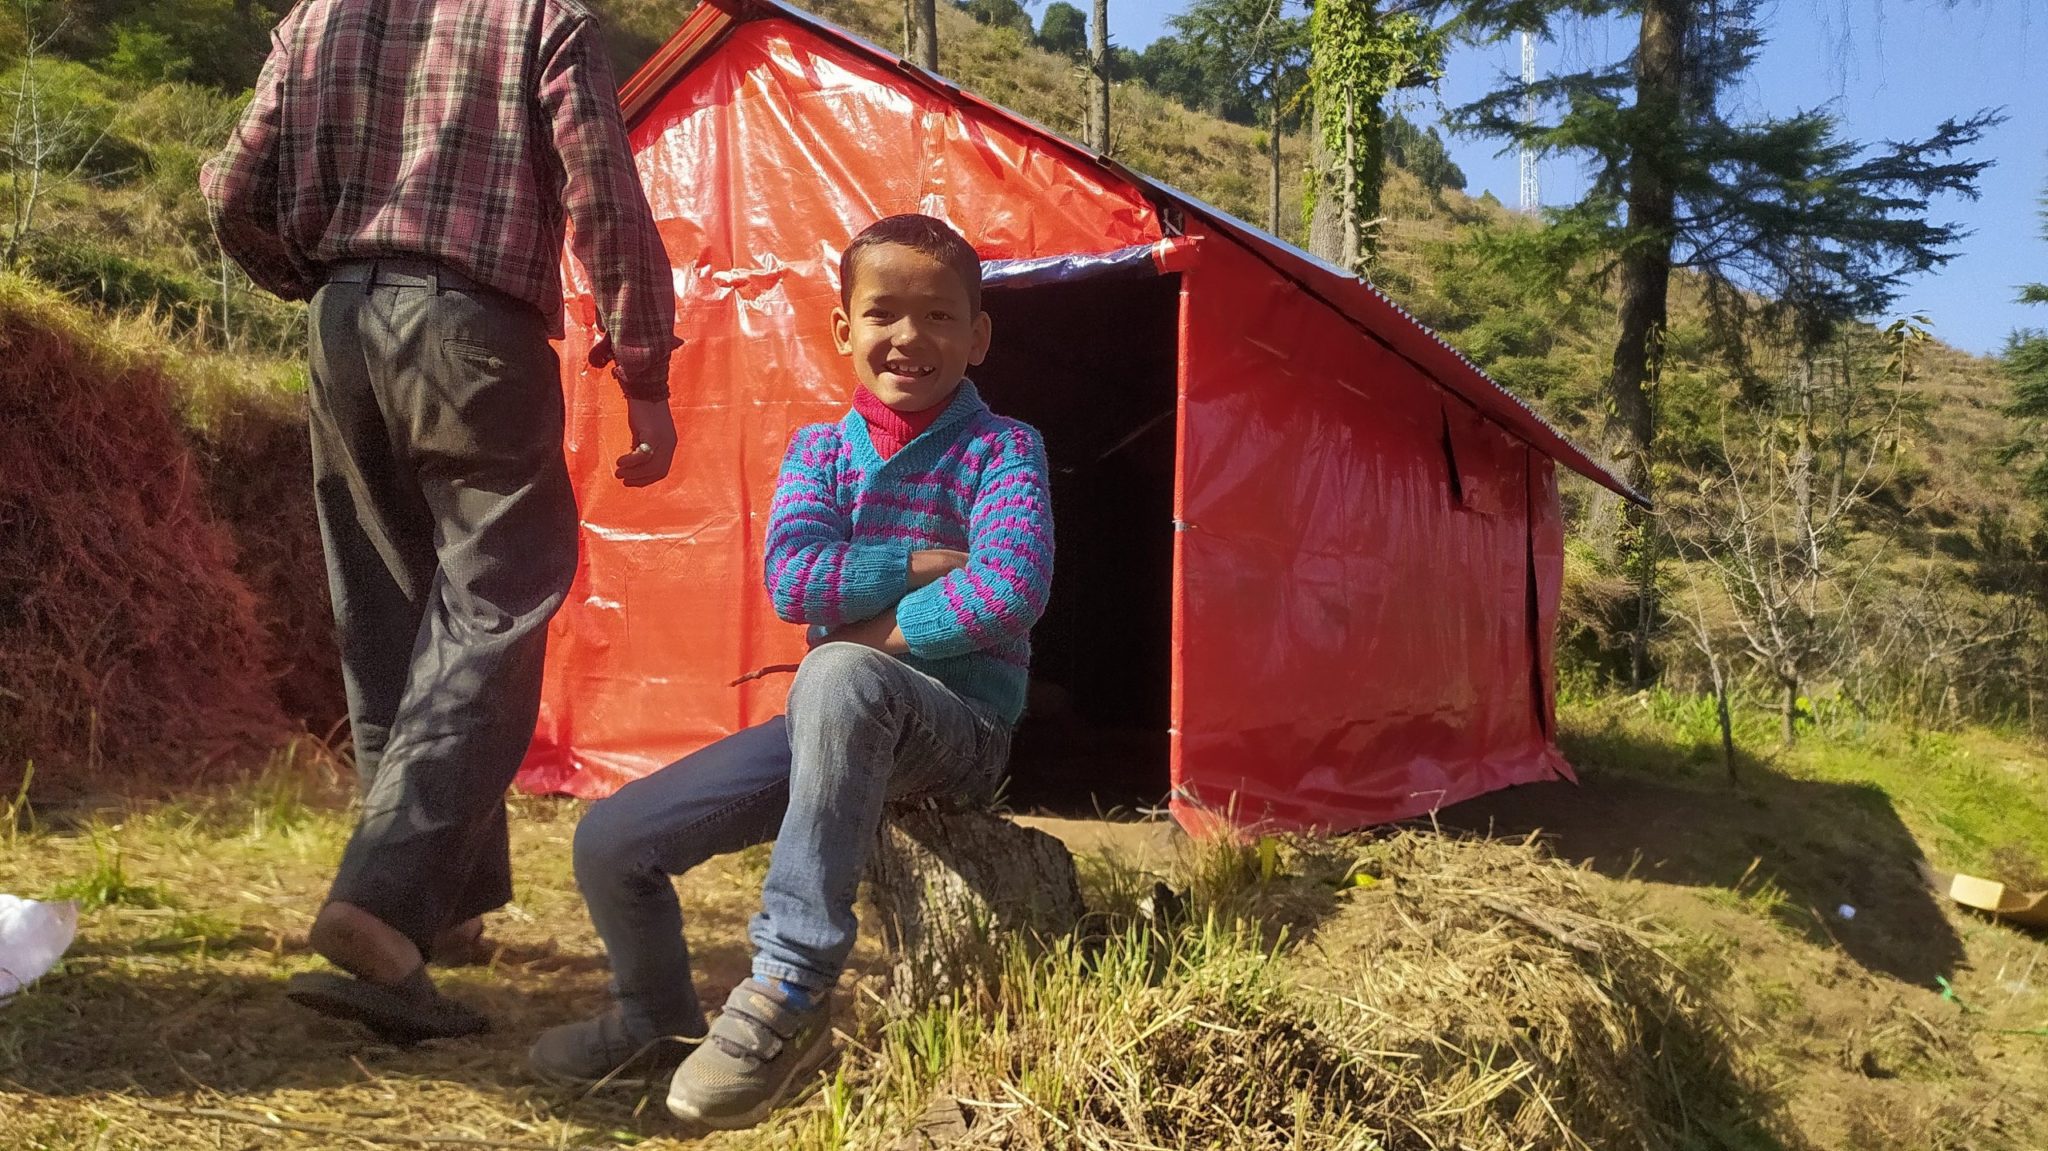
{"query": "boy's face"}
(908, 327)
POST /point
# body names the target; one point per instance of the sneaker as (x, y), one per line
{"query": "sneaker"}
(760, 1049)
(602, 1051)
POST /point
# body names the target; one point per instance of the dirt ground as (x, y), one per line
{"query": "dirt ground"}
(1891, 1017)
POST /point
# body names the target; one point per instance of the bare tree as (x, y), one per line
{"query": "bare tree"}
(1778, 543)
(37, 137)
(1702, 635)
(1938, 642)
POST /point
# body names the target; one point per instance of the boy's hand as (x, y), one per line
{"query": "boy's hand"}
(654, 443)
(880, 633)
(934, 564)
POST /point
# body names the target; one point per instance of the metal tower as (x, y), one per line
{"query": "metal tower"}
(1532, 192)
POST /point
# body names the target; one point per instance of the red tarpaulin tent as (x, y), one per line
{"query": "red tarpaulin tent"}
(1308, 555)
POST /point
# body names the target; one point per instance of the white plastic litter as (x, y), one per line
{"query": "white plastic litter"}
(1846, 911)
(33, 937)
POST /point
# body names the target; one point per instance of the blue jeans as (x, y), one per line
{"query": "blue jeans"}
(861, 729)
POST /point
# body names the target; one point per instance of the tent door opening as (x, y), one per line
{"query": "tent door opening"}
(1093, 365)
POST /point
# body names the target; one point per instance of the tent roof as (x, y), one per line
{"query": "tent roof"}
(1370, 311)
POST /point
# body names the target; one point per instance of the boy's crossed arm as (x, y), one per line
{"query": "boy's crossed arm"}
(932, 602)
(881, 632)
(999, 593)
(814, 572)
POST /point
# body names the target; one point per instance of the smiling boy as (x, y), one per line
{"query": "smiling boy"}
(914, 538)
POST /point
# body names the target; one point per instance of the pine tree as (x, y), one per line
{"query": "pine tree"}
(2026, 365)
(1261, 54)
(1778, 207)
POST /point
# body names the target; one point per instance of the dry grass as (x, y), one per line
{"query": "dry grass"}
(124, 629)
(1203, 1027)
(1411, 990)
(171, 1003)
(1216, 161)
(1231, 1018)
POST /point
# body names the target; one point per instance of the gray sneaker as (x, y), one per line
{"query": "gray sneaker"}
(603, 1050)
(761, 1048)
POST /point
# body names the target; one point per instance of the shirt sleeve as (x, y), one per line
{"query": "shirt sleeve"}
(1002, 591)
(814, 574)
(240, 186)
(611, 228)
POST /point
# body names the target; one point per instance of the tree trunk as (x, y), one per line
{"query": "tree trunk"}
(1802, 468)
(922, 36)
(1645, 279)
(1352, 244)
(1788, 715)
(1273, 204)
(1098, 54)
(1326, 218)
(1641, 532)
(1645, 285)
(1722, 715)
(948, 884)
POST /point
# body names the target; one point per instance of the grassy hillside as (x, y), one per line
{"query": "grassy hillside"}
(119, 227)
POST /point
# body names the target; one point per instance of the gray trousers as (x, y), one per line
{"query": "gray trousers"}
(450, 533)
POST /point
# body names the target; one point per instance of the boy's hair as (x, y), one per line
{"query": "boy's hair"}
(925, 234)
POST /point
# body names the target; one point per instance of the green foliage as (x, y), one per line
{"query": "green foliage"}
(67, 123)
(1000, 14)
(1358, 57)
(1783, 209)
(2025, 361)
(145, 55)
(107, 884)
(1250, 55)
(118, 282)
(1503, 294)
(218, 43)
(1179, 71)
(1421, 152)
(1063, 30)
(2026, 367)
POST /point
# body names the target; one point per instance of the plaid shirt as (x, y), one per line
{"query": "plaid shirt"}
(454, 130)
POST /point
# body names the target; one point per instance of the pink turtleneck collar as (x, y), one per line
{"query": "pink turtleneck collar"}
(890, 429)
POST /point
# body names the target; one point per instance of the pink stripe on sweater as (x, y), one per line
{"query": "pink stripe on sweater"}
(969, 622)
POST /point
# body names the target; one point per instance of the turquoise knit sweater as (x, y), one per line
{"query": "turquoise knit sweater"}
(845, 521)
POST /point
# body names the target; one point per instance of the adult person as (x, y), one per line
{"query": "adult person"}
(408, 165)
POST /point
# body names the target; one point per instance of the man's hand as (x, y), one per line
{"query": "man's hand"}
(654, 443)
(934, 564)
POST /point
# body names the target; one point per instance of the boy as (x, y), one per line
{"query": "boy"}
(914, 537)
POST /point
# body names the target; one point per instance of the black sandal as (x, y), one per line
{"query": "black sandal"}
(404, 1013)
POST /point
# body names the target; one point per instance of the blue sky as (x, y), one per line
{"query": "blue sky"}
(1890, 69)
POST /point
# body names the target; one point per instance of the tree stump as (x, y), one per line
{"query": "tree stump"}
(949, 884)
